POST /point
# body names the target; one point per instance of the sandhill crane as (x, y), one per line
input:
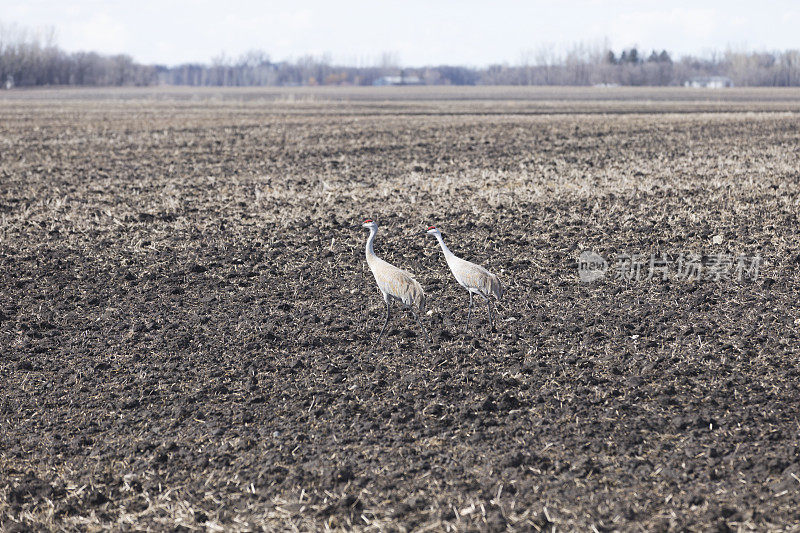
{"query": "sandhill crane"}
(395, 284)
(474, 278)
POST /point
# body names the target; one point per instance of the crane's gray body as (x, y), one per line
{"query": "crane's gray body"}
(474, 278)
(395, 284)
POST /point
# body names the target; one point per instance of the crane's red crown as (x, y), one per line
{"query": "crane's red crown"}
(432, 227)
(368, 220)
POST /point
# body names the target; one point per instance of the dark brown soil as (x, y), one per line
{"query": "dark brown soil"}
(187, 318)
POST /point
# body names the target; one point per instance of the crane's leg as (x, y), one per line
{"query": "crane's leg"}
(425, 331)
(386, 323)
(489, 306)
(469, 313)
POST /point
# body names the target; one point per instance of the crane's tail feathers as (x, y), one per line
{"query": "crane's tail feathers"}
(419, 296)
(495, 287)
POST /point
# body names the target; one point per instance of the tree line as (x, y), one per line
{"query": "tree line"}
(33, 59)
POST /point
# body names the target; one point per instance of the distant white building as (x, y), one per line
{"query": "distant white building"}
(398, 80)
(709, 82)
(9, 82)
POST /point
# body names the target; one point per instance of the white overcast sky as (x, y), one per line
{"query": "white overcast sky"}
(419, 32)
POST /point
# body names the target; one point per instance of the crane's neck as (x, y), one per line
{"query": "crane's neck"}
(447, 253)
(370, 240)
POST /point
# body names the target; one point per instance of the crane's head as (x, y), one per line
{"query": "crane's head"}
(433, 230)
(369, 223)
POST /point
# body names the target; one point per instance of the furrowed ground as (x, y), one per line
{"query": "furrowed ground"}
(187, 318)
